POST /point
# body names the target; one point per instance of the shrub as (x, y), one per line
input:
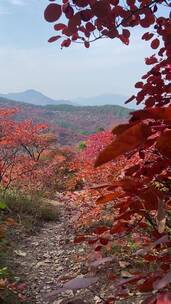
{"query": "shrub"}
(29, 211)
(82, 145)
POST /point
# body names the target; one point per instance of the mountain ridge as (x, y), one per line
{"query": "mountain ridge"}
(34, 97)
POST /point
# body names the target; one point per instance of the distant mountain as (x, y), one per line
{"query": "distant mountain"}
(37, 98)
(101, 100)
(34, 97)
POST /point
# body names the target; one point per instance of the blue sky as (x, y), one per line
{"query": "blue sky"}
(28, 61)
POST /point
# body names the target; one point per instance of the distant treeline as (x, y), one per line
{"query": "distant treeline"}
(119, 111)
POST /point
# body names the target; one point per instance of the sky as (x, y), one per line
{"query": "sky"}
(28, 61)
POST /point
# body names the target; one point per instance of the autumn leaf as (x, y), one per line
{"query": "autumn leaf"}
(120, 129)
(80, 238)
(108, 197)
(74, 284)
(153, 113)
(163, 282)
(52, 12)
(163, 144)
(161, 216)
(127, 141)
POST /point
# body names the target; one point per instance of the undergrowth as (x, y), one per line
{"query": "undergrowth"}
(20, 215)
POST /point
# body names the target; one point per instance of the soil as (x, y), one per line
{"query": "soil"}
(49, 258)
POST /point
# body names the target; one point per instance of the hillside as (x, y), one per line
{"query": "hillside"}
(34, 97)
(39, 99)
(71, 123)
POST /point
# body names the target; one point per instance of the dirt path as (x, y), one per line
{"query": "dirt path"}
(49, 258)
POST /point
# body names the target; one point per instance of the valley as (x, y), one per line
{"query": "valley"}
(71, 124)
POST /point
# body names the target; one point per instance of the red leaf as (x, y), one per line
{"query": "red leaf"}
(149, 257)
(52, 12)
(86, 15)
(108, 197)
(126, 33)
(66, 43)
(127, 141)
(120, 129)
(163, 282)
(155, 43)
(101, 8)
(150, 198)
(54, 38)
(104, 241)
(100, 230)
(132, 170)
(92, 240)
(119, 228)
(147, 36)
(81, 3)
(90, 27)
(124, 39)
(151, 60)
(147, 285)
(80, 238)
(130, 99)
(98, 248)
(73, 23)
(163, 144)
(153, 113)
(164, 298)
(114, 2)
(139, 85)
(87, 44)
(59, 26)
(68, 10)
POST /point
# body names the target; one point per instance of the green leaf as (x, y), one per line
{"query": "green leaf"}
(2, 205)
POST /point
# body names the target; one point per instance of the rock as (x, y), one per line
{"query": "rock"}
(71, 301)
(58, 269)
(58, 302)
(39, 264)
(20, 253)
(35, 244)
(97, 300)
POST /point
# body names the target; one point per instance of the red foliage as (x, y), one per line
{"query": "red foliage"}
(143, 192)
(22, 146)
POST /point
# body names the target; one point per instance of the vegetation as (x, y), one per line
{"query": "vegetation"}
(141, 194)
(70, 124)
(82, 145)
(124, 215)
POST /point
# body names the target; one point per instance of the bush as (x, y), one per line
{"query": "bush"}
(49, 213)
(29, 211)
(82, 145)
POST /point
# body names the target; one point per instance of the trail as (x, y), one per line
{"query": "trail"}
(50, 258)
